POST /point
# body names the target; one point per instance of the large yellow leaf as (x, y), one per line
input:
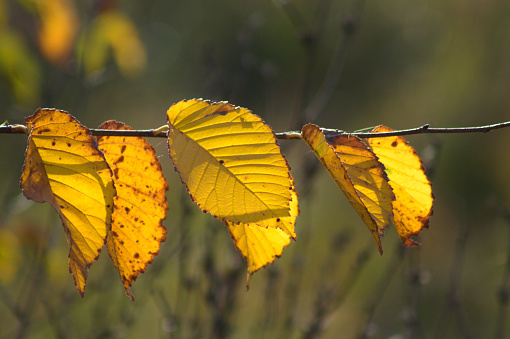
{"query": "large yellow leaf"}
(64, 167)
(260, 245)
(358, 173)
(140, 204)
(413, 191)
(230, 162)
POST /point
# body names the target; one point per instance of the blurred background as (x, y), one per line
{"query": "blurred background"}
(348, 64)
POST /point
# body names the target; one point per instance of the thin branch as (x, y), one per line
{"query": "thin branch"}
(161, 132)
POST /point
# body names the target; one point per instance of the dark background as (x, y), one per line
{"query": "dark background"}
(340, 64)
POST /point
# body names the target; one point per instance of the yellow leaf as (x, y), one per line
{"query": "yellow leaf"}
(64, 167)
(259, 245)
(140, 204)
(230, 162)
(112, 30)
(413, 191)
(58, 27)
(359, 175)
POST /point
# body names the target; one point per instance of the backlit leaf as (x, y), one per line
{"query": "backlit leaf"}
(64, 167)
(413, 191)
(358, 173)
(260, 245)
(140, 204)
(230, 162)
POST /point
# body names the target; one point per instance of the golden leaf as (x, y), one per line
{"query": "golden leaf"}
(359, 175)
(64, 167)
(230, 162)
(259, 245)
(140, 204)
(413, 191)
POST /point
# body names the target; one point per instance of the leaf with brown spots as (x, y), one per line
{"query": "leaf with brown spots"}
(231, 163)
(413, 191)
(358, 173)
(64, 167)
(140, 204)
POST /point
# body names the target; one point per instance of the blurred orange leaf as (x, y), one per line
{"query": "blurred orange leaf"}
(413, 191)
(140, 204)
(358, 173)
(57, 30)
(64, 167)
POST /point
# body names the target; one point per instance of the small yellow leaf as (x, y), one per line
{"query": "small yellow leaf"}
(64, 167)
(58, 27)
(112, 31)
(259, 245)
(140, 204)
(230, 162)
(358, 173)
(413, 191)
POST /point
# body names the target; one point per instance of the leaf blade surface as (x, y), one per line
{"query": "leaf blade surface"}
(260, 246)
(140, 204)
(413, 190)
(358, 173)
(230, 162)
(64, 167)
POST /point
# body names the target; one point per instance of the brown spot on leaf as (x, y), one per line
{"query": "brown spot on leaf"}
(137, 255)
(123, 149)
(115, 234)
(127, 209)
(120, 159)
(394, 143)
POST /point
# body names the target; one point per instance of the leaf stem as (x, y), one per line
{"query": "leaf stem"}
(161, 132)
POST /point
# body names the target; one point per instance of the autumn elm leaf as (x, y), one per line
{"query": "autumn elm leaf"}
(140, 204)
(413, 191)
(64, 167)
(358, 173)
(230, 162)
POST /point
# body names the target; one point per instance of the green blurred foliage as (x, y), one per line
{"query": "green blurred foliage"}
(407, 63)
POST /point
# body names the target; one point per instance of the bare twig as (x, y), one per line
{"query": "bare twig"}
(161, 131)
